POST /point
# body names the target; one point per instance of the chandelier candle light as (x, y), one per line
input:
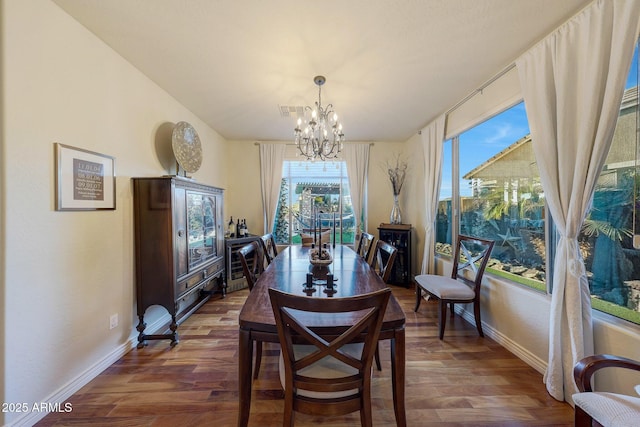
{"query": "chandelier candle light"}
(397, 174)
(321, 136)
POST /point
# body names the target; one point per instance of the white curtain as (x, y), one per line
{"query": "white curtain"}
(357, 158)
(271, 159)
(572, 83)
(432, 140)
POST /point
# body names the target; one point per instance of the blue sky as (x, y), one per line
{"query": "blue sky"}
(494, 135)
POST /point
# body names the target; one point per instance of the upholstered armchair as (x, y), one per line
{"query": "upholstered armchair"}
(602, 408)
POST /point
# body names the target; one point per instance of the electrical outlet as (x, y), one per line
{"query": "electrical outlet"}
(636, 241)
(113, 321)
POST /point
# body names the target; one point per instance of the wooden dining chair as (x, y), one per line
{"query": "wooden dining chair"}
(269, 247)
(252, 260)
(365, 245)
(463, 285)
(382, 262)
(383, 259)
(327, 375)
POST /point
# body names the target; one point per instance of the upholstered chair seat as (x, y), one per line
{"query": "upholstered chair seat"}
(445, 287)
(610, 409)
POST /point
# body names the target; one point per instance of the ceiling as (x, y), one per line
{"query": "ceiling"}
(391, 66)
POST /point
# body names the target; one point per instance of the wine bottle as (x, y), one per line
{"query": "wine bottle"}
(232, 228)
(239, 228)
(246, 229)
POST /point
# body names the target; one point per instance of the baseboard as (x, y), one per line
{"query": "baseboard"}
(525, 355)
(69, 389)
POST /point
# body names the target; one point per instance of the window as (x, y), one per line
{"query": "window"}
(444, 216)
(491, 188)
(498, 195)
(606, 240)
(305, 185)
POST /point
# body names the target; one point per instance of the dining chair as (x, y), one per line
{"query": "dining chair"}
(383, 259)
(327, 375)
(382, 262)
(323, 237)
(252, 260)
(365, 245)
(463, 286)
(269, 247)
(607, 409)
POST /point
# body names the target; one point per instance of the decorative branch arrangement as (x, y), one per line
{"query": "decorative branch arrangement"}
(397, 173)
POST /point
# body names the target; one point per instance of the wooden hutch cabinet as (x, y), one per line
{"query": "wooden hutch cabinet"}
(179, 248)
(399, 235)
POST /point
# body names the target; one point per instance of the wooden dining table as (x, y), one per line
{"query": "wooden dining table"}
(288, 272)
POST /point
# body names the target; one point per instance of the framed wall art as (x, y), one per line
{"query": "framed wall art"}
(85, 180)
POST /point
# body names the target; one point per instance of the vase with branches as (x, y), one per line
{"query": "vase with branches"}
(397, 172)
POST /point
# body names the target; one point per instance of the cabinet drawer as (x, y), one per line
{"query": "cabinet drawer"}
(200, 277)
(214, 268)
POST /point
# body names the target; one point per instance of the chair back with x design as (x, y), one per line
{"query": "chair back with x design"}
(383, 259)
(346, 387)
(269, 247)
(252, 259)
(470, 261)
(365, 245)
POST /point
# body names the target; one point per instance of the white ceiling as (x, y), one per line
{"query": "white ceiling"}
(391, 65)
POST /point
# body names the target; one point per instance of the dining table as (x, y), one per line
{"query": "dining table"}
(288, 272)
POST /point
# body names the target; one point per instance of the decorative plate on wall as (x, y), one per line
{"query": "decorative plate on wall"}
(186, 147)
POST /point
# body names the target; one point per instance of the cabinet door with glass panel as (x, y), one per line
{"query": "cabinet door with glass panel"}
(202, 220)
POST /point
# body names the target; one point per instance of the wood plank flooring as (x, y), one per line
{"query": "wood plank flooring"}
(463, 380)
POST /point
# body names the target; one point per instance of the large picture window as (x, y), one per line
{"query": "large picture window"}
(323, 186)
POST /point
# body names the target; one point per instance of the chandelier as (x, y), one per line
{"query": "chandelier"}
(322, 137)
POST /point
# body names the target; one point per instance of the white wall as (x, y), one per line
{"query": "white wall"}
(244, 193)
(413, 198)
(67, 272)
(380, 194)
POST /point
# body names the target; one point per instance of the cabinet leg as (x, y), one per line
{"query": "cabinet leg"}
(140, 328)
(174, 334)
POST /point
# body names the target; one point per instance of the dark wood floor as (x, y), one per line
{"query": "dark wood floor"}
(461, 381)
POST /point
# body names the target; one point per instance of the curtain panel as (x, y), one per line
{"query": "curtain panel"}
(432, 148)
(357, 158)
(572, 83)
(271, 160)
